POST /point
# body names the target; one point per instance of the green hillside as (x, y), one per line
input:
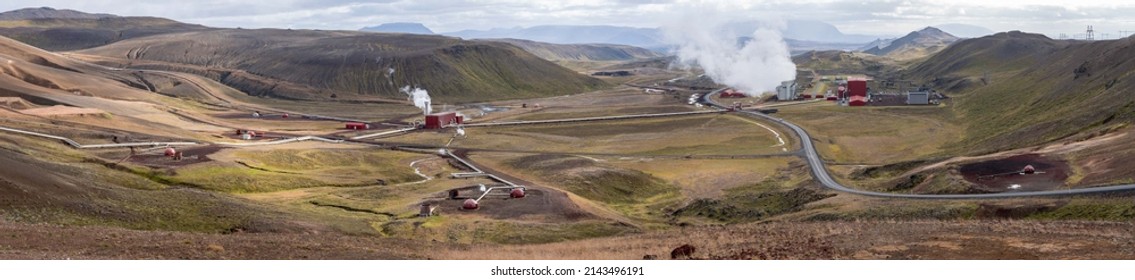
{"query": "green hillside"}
(581, 52)
(314, 65)
(1016, 89)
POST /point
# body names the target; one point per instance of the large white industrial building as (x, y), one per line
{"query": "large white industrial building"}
(786, 90)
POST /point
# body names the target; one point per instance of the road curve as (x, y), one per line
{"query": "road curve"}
(820, 173)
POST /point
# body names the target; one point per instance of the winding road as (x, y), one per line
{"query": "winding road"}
(820, 172)
(808, 151)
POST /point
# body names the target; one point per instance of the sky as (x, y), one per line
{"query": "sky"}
(884, 18)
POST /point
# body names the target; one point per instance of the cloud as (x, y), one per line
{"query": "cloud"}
(853, 16)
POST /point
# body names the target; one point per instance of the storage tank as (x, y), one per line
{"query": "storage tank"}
(170, 152)
(470, 204)
(516, 193)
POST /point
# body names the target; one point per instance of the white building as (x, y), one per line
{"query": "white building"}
(918, 98)
(786, 90)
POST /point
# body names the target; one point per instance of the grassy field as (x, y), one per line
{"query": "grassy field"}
(705, 178)
(265, 170)
(875, 135)
(676, 136)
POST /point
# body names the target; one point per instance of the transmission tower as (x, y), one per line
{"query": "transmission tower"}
(1063, 36)
(1091, 34)
(1125, 33)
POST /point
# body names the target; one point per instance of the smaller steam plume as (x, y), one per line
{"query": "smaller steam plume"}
(420, 97)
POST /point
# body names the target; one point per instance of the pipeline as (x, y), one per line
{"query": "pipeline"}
(76, 145)
(587, 119)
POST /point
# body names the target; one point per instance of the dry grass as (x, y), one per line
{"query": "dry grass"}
(659, 136)
(844, 240)
(874, 135)
(704, 178)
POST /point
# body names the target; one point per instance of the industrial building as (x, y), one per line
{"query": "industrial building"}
(857, 87)
(918, 98)
(442, 120)
(357, 126)
(786, 91)
(731, 93)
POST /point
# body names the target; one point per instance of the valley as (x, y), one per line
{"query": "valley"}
(222, 143)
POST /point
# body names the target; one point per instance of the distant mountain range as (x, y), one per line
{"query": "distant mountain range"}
(650, 38)
(400, 27)
(804, 32)
(581, 52)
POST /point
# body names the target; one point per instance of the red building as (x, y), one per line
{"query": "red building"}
(440, 120)
(856, 100)
(857, 88)
(358, 126)
(730, 93)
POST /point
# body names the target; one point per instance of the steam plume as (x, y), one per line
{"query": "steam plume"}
(420, 97)
(755, 66)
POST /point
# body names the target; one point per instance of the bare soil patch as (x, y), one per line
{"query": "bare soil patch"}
(1004, 175)
(191, 155)
(539, 204)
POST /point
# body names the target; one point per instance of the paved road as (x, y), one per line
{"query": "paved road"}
(821, 173)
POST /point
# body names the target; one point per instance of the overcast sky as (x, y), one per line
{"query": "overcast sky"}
(854, 17)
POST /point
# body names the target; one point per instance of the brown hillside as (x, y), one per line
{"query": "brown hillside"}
(65, 34)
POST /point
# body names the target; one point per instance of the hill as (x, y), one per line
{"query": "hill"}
(345, 65)
(66, 30)
(917, 44)
(47, 12)
(836, 62)
(572, 34)
(965, 30)
(581, 52)
(400, 27)
(1016, 89)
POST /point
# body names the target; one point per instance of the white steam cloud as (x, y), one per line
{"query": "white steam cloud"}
(756, 65)
(420, 97)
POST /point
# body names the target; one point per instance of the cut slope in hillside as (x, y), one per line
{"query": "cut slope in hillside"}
(336, 65)
(581, 52)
